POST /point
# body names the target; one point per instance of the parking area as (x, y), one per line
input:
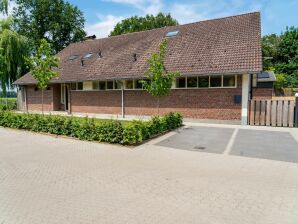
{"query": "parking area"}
(48, 179)
(256, 143)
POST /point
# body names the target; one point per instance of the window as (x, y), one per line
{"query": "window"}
(95, 85)
(215, 81)
(203, 82)
(89, 55)
(80, 86)
(129, 84)
(62, 93)
(229, 80)
(192, 82)
(102, 85)
(180, 82)
(110, 84)
(172, 33)
(138, 84)
(73, 57)
(73, 86)
(118, 85)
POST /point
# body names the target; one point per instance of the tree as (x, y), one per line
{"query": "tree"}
(57, 21)
(270, 45)
(41, 66)
(287, 57)
(159, 81)
(4, 6)
(149, 22)
(14, 50)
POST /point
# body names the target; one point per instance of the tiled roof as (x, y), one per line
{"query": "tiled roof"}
(220, 46)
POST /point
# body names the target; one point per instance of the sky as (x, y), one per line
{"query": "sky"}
(102, 15)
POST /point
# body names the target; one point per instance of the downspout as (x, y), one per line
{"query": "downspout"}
(25, 98)
(122, 101)
(69, 98)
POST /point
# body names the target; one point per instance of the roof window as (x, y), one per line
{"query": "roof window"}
(89, 55)
(73, 57)
(172, 33)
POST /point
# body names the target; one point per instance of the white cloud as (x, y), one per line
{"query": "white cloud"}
(145, 6)
(183, 12)
(104, 26)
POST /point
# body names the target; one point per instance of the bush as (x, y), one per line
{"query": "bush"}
(8, 103)
(111, 131)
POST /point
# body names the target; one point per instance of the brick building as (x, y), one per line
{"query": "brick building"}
(219, 61)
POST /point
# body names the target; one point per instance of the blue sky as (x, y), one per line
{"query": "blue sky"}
(102, 15)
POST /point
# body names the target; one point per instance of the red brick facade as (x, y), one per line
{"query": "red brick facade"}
(262, 93)
(34, 102)
(217, 103)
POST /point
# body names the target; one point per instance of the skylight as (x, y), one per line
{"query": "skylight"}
(73, 57)
(172, 33)
(89, 55)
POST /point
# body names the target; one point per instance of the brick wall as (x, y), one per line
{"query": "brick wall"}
(193, 103)
(104, 102)
(34, 102)
(262, 93)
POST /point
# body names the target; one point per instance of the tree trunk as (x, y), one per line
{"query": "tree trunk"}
(42, 101)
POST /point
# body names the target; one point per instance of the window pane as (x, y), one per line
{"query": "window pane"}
(73, 86)
(80, 86)
(180, 82)
(118, 85)
(102, 85)
(204, 82)
(110, 84)
(229, 80)
(215, 81)
(138, 84)
(95, 85)
(192, 82)
(129, 84)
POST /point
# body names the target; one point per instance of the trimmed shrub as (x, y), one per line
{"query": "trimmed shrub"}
(111, 131)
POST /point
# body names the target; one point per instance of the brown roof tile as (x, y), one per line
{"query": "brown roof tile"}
(219, 46)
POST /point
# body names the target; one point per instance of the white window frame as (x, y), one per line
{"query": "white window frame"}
(63, 94)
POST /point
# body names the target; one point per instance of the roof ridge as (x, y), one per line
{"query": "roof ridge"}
(186, 24)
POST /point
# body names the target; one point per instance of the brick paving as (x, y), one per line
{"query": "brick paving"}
(44, 179)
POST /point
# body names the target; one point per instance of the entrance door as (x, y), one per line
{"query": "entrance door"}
(64, 96)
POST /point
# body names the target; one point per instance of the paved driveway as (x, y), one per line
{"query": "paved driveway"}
(257, 142)
(44, 179)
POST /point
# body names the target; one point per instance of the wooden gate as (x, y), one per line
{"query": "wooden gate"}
(276, 113)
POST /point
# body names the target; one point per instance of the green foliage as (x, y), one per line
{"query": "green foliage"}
(8, 103)
(159, 81)
(4, 6)
(270, 45)
(42, 63)
(281, 53)
(111, 131)
(14, 49)
(57, 21)
(149, 22)
(280, 81)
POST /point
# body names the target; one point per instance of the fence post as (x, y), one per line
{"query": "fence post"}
(296, 109)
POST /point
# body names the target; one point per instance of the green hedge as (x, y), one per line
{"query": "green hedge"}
(8, 103)
(111, 131)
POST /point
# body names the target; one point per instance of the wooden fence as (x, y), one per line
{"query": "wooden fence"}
(276, 113)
